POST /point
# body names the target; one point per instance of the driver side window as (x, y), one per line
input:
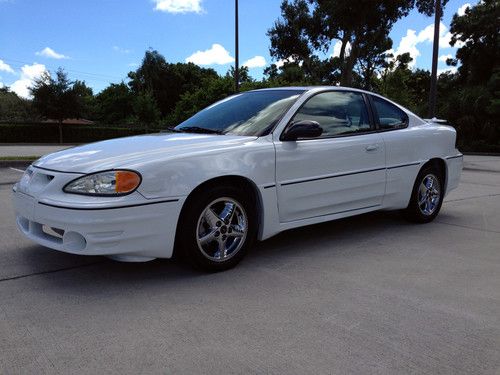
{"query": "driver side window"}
(337, 112)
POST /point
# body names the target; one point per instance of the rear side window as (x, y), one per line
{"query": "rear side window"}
(388, 115)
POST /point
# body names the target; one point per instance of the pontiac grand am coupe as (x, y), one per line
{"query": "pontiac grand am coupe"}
(245, 168)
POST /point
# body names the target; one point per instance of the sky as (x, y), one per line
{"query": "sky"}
(100, 41)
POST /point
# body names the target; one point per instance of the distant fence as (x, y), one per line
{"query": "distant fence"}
(49, 133)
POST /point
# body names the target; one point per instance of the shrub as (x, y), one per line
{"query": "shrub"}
(48, 133)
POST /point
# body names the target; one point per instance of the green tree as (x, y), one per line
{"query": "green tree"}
(310, 28)
(14, 108)
(113, 105)
(470, 99)
(478, 31)
(146, 110)
(243, 74)
(85, 96)
(56, 98)
(167, 82)
(213, 89)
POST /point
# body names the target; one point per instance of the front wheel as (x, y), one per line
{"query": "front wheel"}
(217, 228)
(427, 196)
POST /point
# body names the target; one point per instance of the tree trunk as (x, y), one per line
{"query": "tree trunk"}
(60, 132)
(346, 76)
(345, 39)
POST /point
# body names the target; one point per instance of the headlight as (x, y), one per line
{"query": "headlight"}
(107, 183)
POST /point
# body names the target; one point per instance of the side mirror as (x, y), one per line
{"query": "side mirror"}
(302, 129)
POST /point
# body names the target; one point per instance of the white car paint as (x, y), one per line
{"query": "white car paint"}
(293, 182)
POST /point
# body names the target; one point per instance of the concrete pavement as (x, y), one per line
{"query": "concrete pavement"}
(366, 295)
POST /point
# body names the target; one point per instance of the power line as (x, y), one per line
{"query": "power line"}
(97, 75)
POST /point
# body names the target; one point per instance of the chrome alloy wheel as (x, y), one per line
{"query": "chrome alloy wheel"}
(429, 194)
(222, 229)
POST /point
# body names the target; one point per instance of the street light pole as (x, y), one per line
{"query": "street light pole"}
(435, 52)
(236, 48)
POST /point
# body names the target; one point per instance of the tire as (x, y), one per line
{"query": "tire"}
(427, 195)
(202, 235)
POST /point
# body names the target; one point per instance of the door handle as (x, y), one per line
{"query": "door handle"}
(371, 148)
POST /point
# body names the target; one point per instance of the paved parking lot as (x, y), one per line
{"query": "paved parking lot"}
(371, 294)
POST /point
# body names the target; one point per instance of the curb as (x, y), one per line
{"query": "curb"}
(481, 153)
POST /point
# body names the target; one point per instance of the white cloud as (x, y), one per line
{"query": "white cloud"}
(51, 54)
(121, 50)
(282, 62)
(28, 74)
(4, 67)
(216, 55)
(179, 6)
(255, 62)
(461, 10)
(450, 69)
(443, 58)
(411, 40)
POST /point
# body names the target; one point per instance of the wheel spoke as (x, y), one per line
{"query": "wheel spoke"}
(222, 251)
(228, 212)
(422, 200)
(207, 238)
(430, 182)
(428, 209)
(236, 231)
(211, 218)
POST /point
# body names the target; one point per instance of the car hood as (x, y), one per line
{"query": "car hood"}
(132, 152)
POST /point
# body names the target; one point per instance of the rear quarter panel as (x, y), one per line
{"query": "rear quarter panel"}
(407, 150)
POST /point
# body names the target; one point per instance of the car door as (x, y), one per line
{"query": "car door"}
(403, 149)
(342, 170)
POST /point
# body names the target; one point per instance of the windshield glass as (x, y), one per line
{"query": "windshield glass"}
(251, 113)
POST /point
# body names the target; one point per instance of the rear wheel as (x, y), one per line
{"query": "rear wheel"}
(217, 228)
(427, 196)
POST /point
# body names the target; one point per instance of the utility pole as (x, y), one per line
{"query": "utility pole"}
(236, 49)
(435, 52)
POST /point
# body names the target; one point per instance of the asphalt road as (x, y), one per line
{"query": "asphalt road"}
(366, 295)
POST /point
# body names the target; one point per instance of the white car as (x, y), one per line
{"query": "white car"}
(248, 167)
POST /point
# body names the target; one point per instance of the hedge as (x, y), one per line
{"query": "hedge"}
(49, 133)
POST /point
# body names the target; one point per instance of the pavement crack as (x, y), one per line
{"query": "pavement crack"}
(466, 227)
(475, 197)
(50, 271)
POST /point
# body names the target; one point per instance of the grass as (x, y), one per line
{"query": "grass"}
(26, 158)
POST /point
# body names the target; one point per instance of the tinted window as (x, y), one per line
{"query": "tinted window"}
(249, 113)
(388, 115)
(337, 112)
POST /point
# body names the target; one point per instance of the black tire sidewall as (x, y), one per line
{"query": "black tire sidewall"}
(189, 250)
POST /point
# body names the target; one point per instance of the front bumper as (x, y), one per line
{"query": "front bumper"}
(140, 231)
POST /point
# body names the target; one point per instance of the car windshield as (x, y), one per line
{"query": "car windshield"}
(252, 113)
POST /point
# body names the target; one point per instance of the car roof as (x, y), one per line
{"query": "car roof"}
(314, 88)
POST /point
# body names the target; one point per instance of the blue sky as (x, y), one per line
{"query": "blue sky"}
(99, 41)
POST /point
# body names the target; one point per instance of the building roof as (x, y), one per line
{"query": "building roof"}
(70, 121)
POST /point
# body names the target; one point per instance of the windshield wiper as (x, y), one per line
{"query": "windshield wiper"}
(195, 129)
